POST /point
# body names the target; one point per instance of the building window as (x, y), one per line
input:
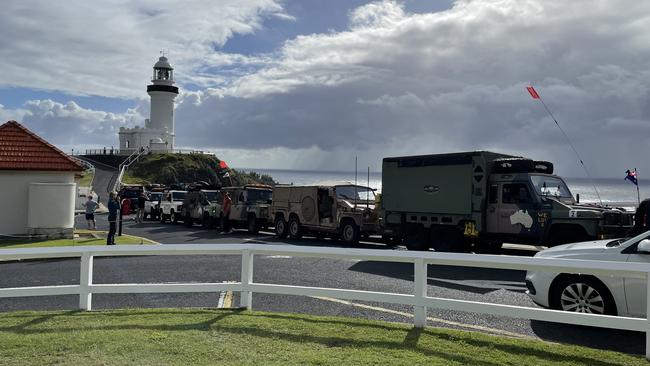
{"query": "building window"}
(127, 144)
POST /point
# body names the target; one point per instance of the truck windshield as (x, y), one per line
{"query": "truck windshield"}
(155, 197)
(178, 196)
(253, 195)
(550, 186)
(359, 194)
(210, 196)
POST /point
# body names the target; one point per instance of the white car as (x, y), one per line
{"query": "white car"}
(151, 205)
(589, 293)
(171, 206)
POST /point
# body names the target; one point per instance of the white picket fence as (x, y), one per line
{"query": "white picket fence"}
(420, 300)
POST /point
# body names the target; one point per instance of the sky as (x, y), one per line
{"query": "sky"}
(310, 84)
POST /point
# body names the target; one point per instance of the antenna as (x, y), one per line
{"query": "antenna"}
(535, 95)
(355, 183)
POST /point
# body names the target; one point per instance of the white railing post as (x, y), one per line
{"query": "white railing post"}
(420, 284)
(647, 316)
(85, 280)
(246, 300)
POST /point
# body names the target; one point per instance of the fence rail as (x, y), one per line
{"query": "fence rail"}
(419, 299)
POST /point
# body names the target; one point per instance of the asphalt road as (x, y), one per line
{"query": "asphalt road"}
(499, 286)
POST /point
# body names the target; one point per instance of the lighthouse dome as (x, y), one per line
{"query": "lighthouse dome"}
(163, 63)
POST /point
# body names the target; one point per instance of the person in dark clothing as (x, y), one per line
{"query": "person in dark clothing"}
(141, 200)
(113, 209)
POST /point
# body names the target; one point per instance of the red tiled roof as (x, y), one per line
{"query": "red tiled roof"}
(21, 149)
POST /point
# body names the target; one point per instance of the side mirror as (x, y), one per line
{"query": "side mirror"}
(644, 246)
(577, 197)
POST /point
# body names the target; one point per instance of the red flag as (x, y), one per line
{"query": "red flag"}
(223, 165)
(532, 92)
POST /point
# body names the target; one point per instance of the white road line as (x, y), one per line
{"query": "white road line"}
(435, 320)
(278, 256)
(222, 296)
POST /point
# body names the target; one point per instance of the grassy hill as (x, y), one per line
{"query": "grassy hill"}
(186, 168)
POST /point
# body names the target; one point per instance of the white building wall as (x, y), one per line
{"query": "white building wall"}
(14, 197)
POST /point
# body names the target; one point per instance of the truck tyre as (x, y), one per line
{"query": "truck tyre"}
(280, 227)
(416, 240)
(581, 294)
(295, 231)
(173, 217)
(253, 226)
(162, 218)
(350, 232)
(514, 165)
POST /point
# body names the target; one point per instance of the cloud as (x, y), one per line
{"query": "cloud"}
(397, 83)
(100, 47)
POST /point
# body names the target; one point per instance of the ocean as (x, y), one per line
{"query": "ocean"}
(613, 192)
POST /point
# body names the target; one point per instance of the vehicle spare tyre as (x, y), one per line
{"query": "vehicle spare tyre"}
(545, 167)
(514, 165)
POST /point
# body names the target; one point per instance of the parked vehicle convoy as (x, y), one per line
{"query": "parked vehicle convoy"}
(152, 205)
(449, 201)
(590, 293)
(250, 207)
(341, 211)
(200, 206)
(171, 206)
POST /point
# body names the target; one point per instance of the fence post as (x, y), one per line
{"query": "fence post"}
(85, 280)
(647, 316)
(246, 300)
(420, 283)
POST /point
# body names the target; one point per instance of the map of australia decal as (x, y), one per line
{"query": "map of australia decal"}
(521, 217)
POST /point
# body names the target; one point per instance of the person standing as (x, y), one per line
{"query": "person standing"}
(90, 206)
(225, 219)
(113, 208)
(141, 200)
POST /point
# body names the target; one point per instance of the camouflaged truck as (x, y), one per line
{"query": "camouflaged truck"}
(249, 208)
(449, 201)
(344, 211)
(200, 205)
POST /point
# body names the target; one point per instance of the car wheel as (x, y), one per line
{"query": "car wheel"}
(350, 233)
(174, 217)
(253, 227)
(582, 294)
(280, 227)
(295, 231)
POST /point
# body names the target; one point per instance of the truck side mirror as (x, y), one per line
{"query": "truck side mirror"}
(644, 246)
(577, 197)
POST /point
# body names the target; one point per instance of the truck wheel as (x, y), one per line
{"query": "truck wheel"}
(280, 227)
(162, 218)
(350, 233)
(581, 294)
(295, 231)
(416, 239)
(253, 227)
(450, 240)
(174, 217)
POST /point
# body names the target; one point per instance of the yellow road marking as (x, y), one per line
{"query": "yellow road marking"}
(227, 300)
(435, 320)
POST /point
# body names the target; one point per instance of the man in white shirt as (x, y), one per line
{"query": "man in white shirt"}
(90, 206)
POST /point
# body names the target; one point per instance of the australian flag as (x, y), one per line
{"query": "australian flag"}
(631, 176)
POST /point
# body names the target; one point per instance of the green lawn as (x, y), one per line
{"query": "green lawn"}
(86, 179)
(7, 243)
(218, 337)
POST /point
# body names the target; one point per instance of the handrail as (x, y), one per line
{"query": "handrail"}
(420, 300)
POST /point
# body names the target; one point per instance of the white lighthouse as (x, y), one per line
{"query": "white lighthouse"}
(158, 132)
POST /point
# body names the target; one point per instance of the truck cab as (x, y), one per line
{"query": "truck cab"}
(200, 205)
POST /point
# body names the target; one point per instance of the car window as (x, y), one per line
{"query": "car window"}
(516, 193)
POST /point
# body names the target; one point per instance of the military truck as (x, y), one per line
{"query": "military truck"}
(340, 211)
(200, 205)
(450, 201)
(249, 208)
